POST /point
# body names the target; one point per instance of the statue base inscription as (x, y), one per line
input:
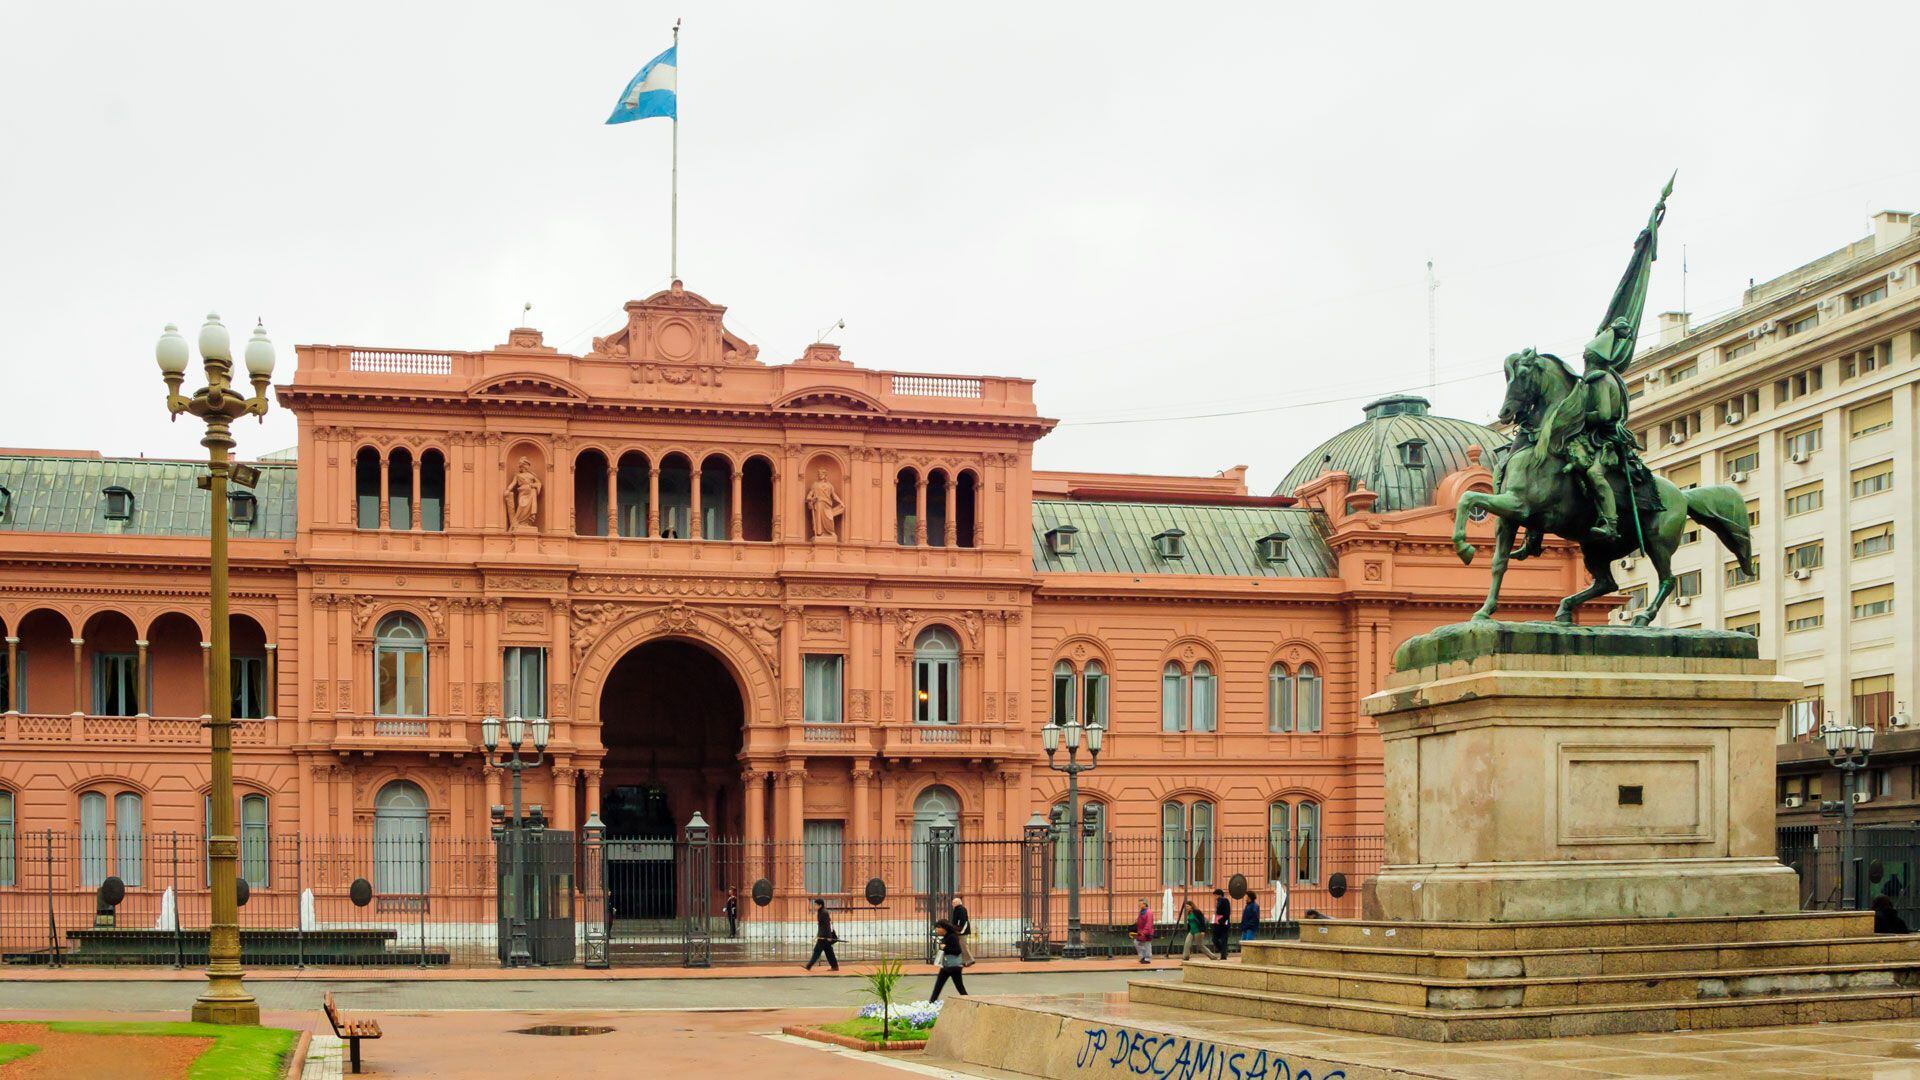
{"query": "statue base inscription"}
(1539, 772)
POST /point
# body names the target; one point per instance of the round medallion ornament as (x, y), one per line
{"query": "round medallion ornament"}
(360, 892)
(763, 892)
(1337, 886)
(675, 341)
(112, 891)
(876, 891)
(1237, 886)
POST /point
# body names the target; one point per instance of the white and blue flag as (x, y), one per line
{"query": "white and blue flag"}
(651, 93)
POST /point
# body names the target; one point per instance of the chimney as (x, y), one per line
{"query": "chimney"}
(1890, 227)
(822, 353)
(1673, 326)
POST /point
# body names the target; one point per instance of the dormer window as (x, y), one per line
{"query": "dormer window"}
(1273, 548)
(242, 508)
(119, 503)
(1060, 539)
(1413, 453)
(1171, 544)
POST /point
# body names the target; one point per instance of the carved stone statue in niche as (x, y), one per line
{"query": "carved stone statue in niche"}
(824, 509)
(523, 499)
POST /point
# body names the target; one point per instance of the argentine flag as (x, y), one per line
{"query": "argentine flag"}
(651, 92)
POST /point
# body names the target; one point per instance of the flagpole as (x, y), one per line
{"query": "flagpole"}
(673, 252)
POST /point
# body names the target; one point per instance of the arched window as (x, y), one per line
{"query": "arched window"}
(433, 491)
(400, 840)
(251, 824)
(937, 520)
(966, 512)
(1173, 697)
(716, 498)
(1093, 846)
(1206, 698)
(1293, 842)
(1279, 699)
(1063, 691)
(93, 839)
(756, 499)
(676, 497)
(934, 805)
(630, 489)
(1307, 699)
(366, 488)
(590, 494)
(6, 838)
(1186, 843)
(400, 667)
(936, 677)
(121, 857)
(400, 489)
(1094, 695)
(906, 488)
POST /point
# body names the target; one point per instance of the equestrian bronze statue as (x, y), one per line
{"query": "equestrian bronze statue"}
(1574, 469)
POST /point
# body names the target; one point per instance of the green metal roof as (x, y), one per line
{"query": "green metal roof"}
(66, 495)
(1117, 538)
(1369, 452)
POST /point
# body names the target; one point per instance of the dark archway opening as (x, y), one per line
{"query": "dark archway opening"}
(672, 721)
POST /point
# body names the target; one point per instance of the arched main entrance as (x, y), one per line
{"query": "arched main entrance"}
(672, 720)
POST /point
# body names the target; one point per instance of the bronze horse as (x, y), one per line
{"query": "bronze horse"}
(1538, 492)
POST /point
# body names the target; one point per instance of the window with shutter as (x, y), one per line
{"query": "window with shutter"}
(1872, 417)
(1872, 479)
(1873, 602)
(1806, 615)
(1873, 540)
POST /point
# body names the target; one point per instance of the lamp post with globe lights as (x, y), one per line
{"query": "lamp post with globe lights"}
(518, 954)
(1848, 749)
(218, 405)
(1051, 736)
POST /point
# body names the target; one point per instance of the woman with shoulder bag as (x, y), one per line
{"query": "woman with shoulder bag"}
(950, 961)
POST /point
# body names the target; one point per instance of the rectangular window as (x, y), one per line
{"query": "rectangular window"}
(1205, 699)
(1803, 499)
(822, 843)
(1741, 407)
(1802, 442)
(1741, 460)
(1173, 843)
(1873, 540)
(1871, 295)
(1636, 598)
(1685, 476)
(1306, 843)
(1800, 325)
(6, 839)
(1682, 372)
(1748, 624)
(1200, 839)
(1808, 556)
(1873, 602)
(1872, 479)
(523, 682)
(1803, 714)
(127, 838)
(1873, 700)
(400, 681)
(936, 690)
(1063, 703)
(114, 676)
(1806, 615)
(93, 839)
(1279, 838)
(1687, 584)
(249, 685)
(8, 692)
(822, 688)
(1872, 417)
(254, 850)
(1798, 385)
(1744, 348)
(1173, 699)
(1094, 709)
(1736, 576)
(1307, 699)
(1753, 513)
(1866, 361)
(1691, 536)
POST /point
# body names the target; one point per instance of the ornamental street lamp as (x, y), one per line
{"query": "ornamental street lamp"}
(1050, 738)
(225, 1000)
(517, 952)
(1848, 749)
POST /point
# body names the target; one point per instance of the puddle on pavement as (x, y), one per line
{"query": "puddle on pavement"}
(561, 1029)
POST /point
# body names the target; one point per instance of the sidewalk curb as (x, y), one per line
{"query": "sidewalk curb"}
(572, 974)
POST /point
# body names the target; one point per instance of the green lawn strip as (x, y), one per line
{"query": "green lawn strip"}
(861, 1027)
(237, 1053)
(16, 1051)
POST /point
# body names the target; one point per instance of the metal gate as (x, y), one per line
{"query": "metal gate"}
(543, 893)
(1035, 871)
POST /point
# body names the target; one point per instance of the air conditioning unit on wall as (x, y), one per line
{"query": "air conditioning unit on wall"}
(1683, 601)
(1862, 796)
(1802, 573)
(1792, 802)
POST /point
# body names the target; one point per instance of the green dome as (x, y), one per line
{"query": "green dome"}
(1375, 452)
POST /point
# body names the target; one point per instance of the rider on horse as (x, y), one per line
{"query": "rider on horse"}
(1590, 431)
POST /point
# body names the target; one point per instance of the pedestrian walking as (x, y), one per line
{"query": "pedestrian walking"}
(951, 965)
(823, 937)
(1196, 927)
(733, 912)
(1222, 920)
(1250, 916)
(1143, 933)
(963, 926)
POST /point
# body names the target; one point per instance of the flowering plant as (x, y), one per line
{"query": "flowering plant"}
(914, 1014)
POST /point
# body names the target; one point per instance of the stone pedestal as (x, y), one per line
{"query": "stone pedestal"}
(1538, 773)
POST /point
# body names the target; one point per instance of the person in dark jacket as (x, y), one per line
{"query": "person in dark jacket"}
(951, 966)
(1250, 916)
(1222, 920)
(733, 912)
(963, 926)
(1885, 919)
(823, 937)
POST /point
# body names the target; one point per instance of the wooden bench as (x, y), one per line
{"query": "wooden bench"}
(351, 1030)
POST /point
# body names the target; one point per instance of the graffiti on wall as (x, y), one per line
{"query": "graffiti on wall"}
(1176, 1057)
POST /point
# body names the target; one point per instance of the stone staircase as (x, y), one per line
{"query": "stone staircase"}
(1460, 982)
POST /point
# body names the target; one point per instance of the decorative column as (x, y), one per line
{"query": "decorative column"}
(920, 509)
(653, 498)
(413, 499)
(13, 674)
(140, 679)
(734, 508)
(613, 499)
(272, 673)
(319, 815)
(953, 511)
(563, 776)
(591, 778)
(80, 677)
(753, 831)
(860, 831)
(791, 675)
(386, 483)
(693, 523)
(493, 787)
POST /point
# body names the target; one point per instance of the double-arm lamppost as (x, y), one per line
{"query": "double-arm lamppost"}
(218, 405)
(518, 954)
(1050, 738)
(1848, 749)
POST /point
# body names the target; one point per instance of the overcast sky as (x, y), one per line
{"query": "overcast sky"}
(1153, 210)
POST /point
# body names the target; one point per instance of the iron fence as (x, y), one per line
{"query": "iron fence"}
(435, 899)
(1884, 860)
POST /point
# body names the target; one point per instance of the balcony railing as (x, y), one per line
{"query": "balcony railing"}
(945, 739)
(437, 733)
(121, 730)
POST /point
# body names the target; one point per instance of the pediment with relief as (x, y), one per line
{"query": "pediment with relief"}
(522, 386)
(831, 399)
(675, 326)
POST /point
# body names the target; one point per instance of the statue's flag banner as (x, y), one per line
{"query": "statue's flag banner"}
(651, 93)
